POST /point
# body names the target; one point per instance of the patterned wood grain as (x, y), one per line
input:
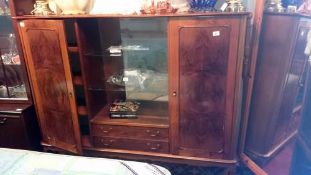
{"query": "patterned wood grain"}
(52, 83)
(203, 70)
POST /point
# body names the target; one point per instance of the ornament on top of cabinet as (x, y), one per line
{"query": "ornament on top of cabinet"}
(181, 5)
(274, 6)
(41, 8)
(4, 9)
(202, 5)
(234, 6)
(305, 7)
(124, 7)
(53, 6)
(157, 7)
(73, 7)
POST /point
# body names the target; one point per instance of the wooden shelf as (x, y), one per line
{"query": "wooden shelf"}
(187, 14)
(143, 120)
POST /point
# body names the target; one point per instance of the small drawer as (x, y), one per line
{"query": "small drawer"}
(131, 144)
(130, 132)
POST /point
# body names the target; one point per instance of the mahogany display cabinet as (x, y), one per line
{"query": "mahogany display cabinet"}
(184, 74)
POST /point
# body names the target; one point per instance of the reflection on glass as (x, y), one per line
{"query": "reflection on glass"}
(12, 85)
(135, 64)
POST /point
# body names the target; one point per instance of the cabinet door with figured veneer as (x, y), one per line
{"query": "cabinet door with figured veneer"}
(205, 83)
(47, 61)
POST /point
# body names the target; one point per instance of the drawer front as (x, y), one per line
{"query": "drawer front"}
(130, 132)
(12, 131)
(131, 144)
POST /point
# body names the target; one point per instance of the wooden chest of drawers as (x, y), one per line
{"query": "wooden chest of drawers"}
(130, 132)
(131, 137)
(131, 144)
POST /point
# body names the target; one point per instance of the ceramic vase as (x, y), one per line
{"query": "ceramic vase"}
(72, 7)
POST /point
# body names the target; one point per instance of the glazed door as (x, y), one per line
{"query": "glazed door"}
(47, 61)
(205, 65)
(301, 163)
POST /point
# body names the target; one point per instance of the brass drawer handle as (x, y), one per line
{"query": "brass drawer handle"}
(105, 131)
(157, 133)
(2, 121)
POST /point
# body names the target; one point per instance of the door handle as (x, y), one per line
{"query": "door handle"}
(174, 94)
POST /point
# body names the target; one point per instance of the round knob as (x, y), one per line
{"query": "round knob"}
(174, 94)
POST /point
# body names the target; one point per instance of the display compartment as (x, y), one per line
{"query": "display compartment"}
(12, 78)
(125, 61)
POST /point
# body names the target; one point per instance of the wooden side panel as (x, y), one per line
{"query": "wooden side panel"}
(274, 59)
(47, 60)
(205, 68)
(287, 121)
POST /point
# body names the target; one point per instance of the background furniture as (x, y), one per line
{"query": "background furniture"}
(302, 154)
(278, 87)
(19, 127)
(18, 124)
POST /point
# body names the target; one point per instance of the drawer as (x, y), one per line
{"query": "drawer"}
(131, 144)
(12, 131)
(130, 132)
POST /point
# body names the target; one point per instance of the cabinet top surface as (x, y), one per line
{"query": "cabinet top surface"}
(298, 15)
(13, 108)
(207, 14)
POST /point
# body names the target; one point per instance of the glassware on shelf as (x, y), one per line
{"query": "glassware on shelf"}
(3, 91)
(202, 5)
(41, 7)
(11, 80)
(157, 7)
(235, 6)
(142, 84)
(4, 7)
(12, 56)
(274, 6)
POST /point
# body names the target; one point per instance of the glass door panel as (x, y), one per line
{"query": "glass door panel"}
(11, 74)
(126, 64)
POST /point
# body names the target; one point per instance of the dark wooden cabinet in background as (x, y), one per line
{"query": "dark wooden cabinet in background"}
(19, 127)
(278, 85)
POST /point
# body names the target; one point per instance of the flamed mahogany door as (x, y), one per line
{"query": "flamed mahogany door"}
(47, 61)
(205, 83)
